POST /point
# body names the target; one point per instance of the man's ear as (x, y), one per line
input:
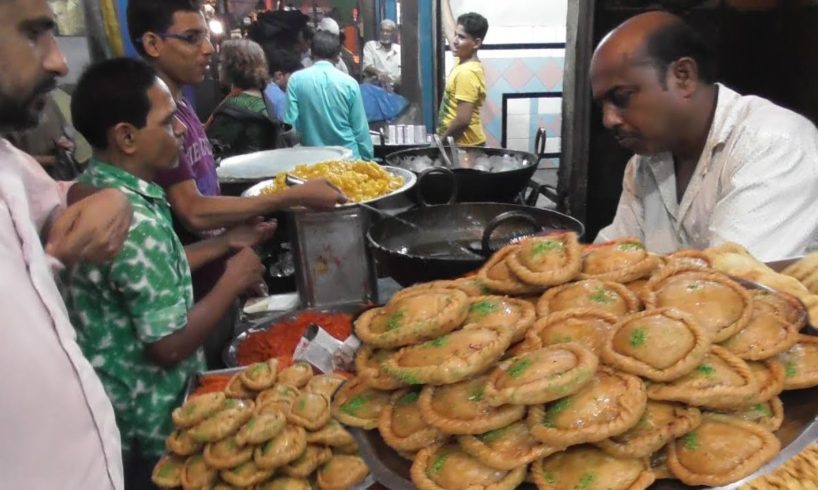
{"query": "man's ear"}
(685, 75)
(152, 44)
(478, 42)
(123, 138)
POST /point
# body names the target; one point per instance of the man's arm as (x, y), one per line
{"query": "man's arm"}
(448, 21)
(628, 220)
(466, 92)
(461, 120)
(291, 115)
(360, 124)
(368, 64)
(242, 236)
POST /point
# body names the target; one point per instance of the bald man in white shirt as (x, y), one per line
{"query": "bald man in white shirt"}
(711, 166)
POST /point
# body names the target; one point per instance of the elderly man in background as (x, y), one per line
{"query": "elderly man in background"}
(381, 63)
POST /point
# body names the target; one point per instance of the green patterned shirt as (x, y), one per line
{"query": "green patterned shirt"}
(139, 298)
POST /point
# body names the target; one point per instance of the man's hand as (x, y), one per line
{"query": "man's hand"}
(316, 194)
(251, 234)
(93, 229)
(243, 271)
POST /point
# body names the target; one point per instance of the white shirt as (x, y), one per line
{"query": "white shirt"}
(58, 427)
(756, 184)
(384, 60)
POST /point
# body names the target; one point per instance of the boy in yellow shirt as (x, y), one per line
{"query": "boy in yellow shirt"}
(466, 86)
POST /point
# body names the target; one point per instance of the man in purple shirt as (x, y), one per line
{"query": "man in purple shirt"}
(173, 36)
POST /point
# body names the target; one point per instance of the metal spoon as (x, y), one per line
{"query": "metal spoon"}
(443, 156)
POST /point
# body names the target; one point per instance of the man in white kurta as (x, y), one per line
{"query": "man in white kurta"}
(381, 58)
(752, 174)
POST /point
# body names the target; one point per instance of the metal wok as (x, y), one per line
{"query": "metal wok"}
(434, 250)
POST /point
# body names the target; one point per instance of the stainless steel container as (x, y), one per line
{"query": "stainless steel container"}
(333, 265)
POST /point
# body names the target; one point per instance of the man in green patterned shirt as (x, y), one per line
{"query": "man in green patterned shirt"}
(135, 317)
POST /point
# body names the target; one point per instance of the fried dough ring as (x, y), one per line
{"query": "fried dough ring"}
(399, 403)
(523, 262)
(520, 326)
(801, 364)
(427, 460)
(631, 404)
(631, 272)
(600, 298)
(692, 358)
(510, 383)
(510, 285)
(507, 448)
(287, 446)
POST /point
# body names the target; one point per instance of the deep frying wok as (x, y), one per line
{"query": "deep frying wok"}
(410, 256)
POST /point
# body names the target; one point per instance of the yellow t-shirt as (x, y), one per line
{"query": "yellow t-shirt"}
(466, 83)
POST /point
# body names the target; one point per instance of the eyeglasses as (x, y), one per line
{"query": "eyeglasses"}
(194, 38)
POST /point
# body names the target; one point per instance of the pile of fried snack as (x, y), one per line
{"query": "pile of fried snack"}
(581, 367)
(268, 430)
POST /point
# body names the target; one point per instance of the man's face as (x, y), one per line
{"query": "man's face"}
(464, 44)
(159, 143)
(30, 61)
(281, 79)
(641, 112)
(387, 33)
(184, 59)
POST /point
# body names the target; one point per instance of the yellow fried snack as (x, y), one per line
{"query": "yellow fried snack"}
(236, 389)
(514, 314)
(332, 434)
(402, 426)
(358, 180)
(801, 364)
(447, 467)
(181, 443)
(196, 409)
(279, 397)
(261, 375)
(226, 454)
(358, 405)
(621, 260)
(285, 447)
(765, 335)
(261, 427)
(369, 366)
(413, 317)
(805, 270)
(541, 376)
(547, 261)
(309, 461)
(245, 474)
(588, 468)
(469, 285)
(449, 358)
(610, 297)
(660, 344)
(498, 276)
(285, 483)
(782, 305)
(297, 375)
(325, 384)
(587, 326)
(608, 406)
(721, 450)
(769, 376)
(769, 414)
(223, 423)
(168, 472)
(506, 448)
(197, 474)
(310, 410)
(341, 471)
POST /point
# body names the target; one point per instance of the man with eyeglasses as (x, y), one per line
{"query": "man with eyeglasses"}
(173, 36)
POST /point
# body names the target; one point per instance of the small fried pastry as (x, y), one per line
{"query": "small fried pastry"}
(769, 376)
(357, 405)
(341, 471)
(308, 462)
(368, 365)
(766, 335)
(801, 364)
(261, 427)
(609, 405)
(720, 305)
(297, 375)
(447, 467)
(607, 296)
(449, 358)
(196, 409)
(661, 423)
(332, 434)
(281, 395)
(245, 474)
(659, 344)
(498, 277)
(469, 285)
(236, 389)
(782, 305)
(197, 474)
(621, 260)
(588, 468)
(506, 448)
(586, 326)
(288, 445)
(413, 317)
(721, 450)
(511, 313)
(226, 454)
(547, 261)
(637, 287)
(541, 376)
(311, 411)
(181, 443)
(325, 384)
(695, 258)
(769, 414)
(261, 375)
(285, 483)
(223, 423)
(721, 381)
(401, 425)
(462, 408)
(168, 472)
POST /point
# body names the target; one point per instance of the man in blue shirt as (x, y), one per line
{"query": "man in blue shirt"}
(325, 105)
(282, 64)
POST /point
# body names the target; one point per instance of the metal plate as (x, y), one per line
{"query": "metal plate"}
(230, 356)
(409, 181)
(255, 166)
(798, 431)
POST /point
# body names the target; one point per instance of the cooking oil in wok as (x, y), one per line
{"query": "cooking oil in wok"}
(448, 248)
